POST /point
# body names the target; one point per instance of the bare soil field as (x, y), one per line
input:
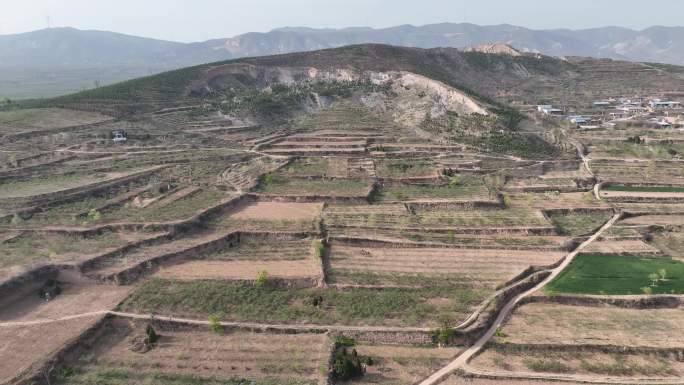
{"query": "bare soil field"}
(636, 247)
(458, 380)
(279, 211)
(662, 220)
(77, 297)
(189, 356)
(400, 364)
(554, 324)
(484, 267)
(21, 348)
(242, 270)
(640, 194)
(590, 365)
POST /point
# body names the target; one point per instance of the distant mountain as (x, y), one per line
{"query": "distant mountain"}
(48, 62)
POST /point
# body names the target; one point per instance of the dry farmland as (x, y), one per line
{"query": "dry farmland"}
(315, 219)
(188, 355)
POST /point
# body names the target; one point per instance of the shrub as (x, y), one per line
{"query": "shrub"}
(347, 365)
(443, 335)
(215, 324)
(94, 215)
(345, 341)
(16, 220)
(319, 249)
(262, 279)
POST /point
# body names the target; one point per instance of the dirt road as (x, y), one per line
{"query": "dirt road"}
(463, 358)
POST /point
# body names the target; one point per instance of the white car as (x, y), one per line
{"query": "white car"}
(119, 137)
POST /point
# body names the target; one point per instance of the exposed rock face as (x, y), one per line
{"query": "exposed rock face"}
(498, 48)
(414, 96)
(418, 95)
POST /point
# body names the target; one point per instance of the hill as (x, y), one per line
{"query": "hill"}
(493, 78)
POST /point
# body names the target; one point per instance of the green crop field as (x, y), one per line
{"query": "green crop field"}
(618, 275)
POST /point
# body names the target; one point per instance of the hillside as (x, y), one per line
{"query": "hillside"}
(493, 78)
(65, 60)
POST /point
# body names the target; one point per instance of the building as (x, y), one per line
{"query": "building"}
(632, 110)
(548, 109)
(660, 105)
(601, 104)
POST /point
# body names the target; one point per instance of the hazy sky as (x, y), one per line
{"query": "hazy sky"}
(196, 20)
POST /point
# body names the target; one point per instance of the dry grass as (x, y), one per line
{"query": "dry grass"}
(539, 323)
(283, 358)
(246, 270)
(484, 268)
(401, 364)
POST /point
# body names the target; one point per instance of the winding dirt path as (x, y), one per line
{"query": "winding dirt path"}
(464, 357)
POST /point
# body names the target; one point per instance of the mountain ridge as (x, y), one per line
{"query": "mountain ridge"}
(42, 57)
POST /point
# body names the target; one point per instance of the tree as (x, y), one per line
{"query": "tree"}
(663, 274)
(654, 277)
(347, 364)
(151, 334)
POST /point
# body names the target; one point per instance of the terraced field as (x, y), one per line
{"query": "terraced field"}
(297, 218)
(191, 356)
(484, 268)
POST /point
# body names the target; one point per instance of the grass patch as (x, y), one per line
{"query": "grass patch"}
(524, 146)
(618, 275)
(462, 187)
(576, 224)
(279, 184)
(404, 169)
(546, 365)
(245, 302)
(32, 248)
(623, 367)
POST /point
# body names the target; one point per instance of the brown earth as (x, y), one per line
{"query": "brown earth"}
(546, 323)
(585, 363)
(279, 211)
(662, 220)
(621, 246)
(641, 194)
(78, 296)
(22, 347)
(192, 270)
